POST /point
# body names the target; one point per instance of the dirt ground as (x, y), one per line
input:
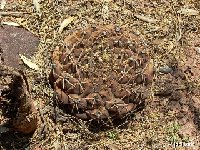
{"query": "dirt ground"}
(171, 116)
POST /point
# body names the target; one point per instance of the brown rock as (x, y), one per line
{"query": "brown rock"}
(14, 40)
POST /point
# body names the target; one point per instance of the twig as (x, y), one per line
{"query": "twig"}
(11, 13)
(145, 18)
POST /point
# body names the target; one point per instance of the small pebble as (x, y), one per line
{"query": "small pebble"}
(197, 49)
(165, 69)
(117, 29)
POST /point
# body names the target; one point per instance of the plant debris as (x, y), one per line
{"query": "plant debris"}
(188, 12)
(11, 24)
(11, 13)
(37, 6)
(65, 23)
(145, 18)
(3, 4)
(28, 62)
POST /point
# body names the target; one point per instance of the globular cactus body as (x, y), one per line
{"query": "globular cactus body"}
(101, 72)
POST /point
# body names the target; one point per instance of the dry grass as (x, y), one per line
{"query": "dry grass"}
(164, 31)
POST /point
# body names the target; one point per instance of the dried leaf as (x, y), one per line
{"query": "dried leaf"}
(37, 6)
(65, 23)
(146, 19)
(113, 147)
(11, 24)
(3, 4)
(28, 62)
(154, 29)
(188, 12)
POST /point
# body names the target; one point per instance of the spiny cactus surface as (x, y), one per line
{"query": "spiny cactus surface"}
(101, 72)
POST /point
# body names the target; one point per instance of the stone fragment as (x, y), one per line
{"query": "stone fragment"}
(14, 41)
